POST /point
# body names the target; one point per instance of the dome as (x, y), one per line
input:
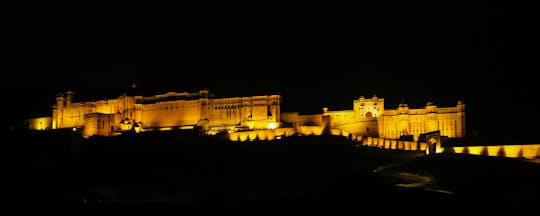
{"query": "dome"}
(403, 104)
(430, 102)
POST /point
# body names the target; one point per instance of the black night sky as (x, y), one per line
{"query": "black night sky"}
(313, 56)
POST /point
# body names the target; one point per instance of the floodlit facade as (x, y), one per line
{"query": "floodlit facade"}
(450, 121)
(240, 115)
(369, 118)
(166, 112)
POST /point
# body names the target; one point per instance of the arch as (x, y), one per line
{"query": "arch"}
(369, 115)
(431, 145)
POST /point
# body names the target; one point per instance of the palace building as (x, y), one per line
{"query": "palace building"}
(162, 112)
(369, 118)
(237, 115)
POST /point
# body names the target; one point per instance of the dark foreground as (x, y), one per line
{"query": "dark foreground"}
(163, 172)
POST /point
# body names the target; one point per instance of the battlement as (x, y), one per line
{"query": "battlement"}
(374, 99)
(173, 96)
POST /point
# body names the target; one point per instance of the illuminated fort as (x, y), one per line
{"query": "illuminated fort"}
(259, 116)
(369, 118)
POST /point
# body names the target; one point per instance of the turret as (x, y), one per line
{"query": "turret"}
(460, 122)
(57, 111)
(325, 111)
(326, 122)
(430, 106)
(69, 98)
(60, 101)
(204, 93)
(461, 106)
(274, 107)
(403, 107)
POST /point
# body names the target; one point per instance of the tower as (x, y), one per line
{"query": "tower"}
(205, 113)
(58, 110)
(69, 98)
(326, 122)
(274, 107)
(367, 112)
(403, 107)
(460, 121)
(403, 125)
(431, 121)
(430, 106)
(368, 108)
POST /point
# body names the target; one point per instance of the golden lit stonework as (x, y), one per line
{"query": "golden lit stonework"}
(247, 118)
(369, 118)
(162, 112)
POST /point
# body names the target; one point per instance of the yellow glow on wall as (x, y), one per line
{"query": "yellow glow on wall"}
(310, 130)
(243, 136)
(42, 123)
(423, 146)
(387, 144)
(530, 151)
(252, 135)
(449, 121)
(394, 144)
(265, 134)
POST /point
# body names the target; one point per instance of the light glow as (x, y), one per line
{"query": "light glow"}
(272, 125)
